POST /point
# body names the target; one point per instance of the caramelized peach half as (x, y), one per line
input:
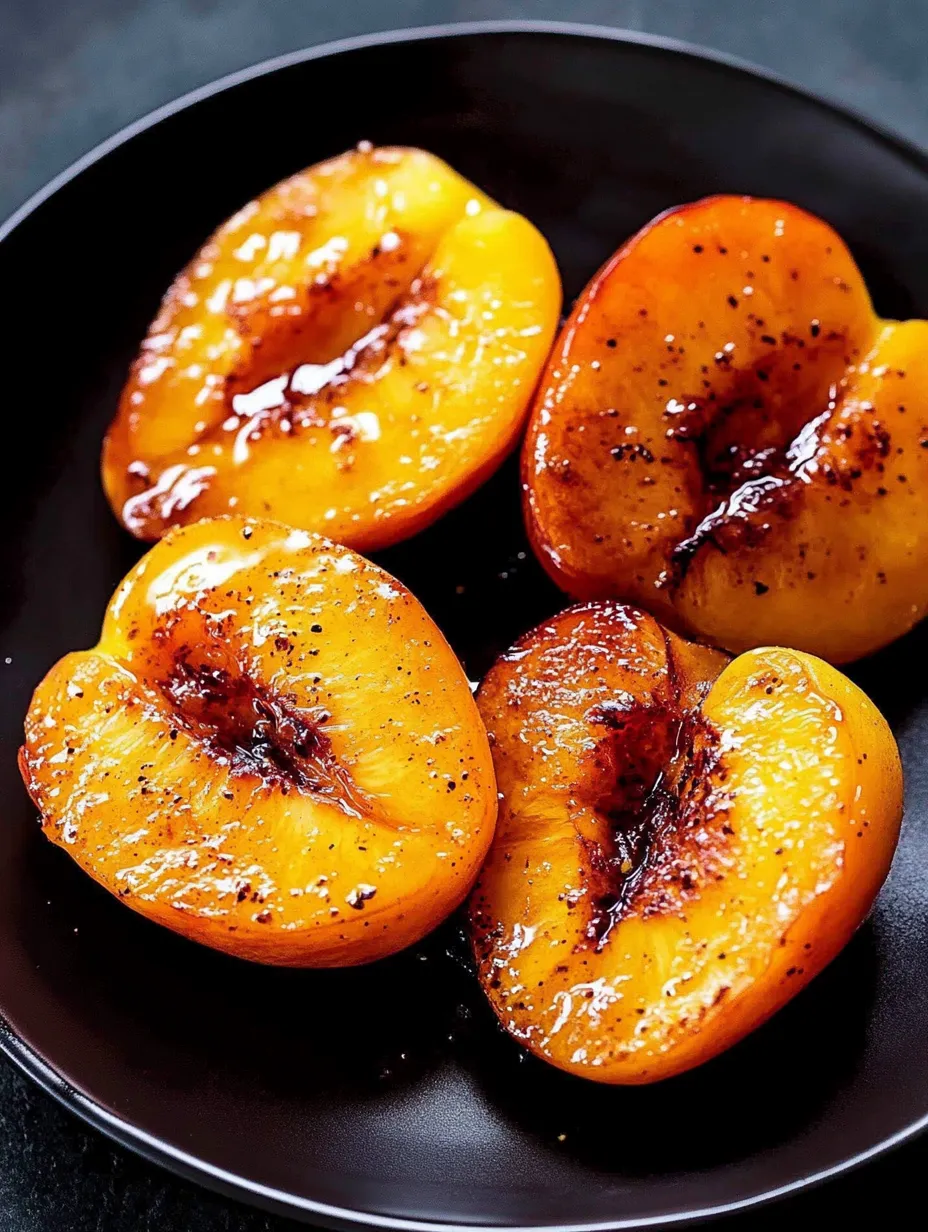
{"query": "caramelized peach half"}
(271, 750)
(352, 353)
(728, 435)
(683, 841)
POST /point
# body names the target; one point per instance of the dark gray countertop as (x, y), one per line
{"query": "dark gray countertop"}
(74, 71)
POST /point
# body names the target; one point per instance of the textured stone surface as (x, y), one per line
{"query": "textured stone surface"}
(74, 71)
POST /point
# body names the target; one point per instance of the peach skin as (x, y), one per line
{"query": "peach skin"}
(352, 353)
(271, 750)
(683, 841)
(728, 435)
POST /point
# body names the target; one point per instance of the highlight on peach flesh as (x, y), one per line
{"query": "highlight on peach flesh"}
(683, 841)
(352, 353)
(727, 434)
(272, 750)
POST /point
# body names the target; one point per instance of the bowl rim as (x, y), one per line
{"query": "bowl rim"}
(164, 1154)
(414, 34)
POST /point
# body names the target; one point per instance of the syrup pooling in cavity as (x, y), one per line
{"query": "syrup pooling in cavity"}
(308, 397)
(311, 396)
(353, 352)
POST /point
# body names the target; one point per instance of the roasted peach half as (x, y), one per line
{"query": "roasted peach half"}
(271, 750)
(729, 436)
(683, 841)
(352, 353)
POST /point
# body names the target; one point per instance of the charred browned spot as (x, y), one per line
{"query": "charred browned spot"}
(283, 389)
(872, 442)
(751, 429)
(742, 521)
(562, 470)
(658, 783)
(301, 392)
(627, 452)
(151, 512)
(259, 732)
(304, 329)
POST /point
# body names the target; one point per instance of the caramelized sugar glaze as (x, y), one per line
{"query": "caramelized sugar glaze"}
(683, 842)
(352, 353)
(729, 436)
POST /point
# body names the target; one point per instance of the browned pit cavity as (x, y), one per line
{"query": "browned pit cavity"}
(260, 733)
(293, 377)
(280, 341)
(309, 387)
(750, 429)
(656, 777)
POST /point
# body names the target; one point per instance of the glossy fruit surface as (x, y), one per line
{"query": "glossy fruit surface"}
(728, 435)
(272, 750)
(351, 353)
(683, 841)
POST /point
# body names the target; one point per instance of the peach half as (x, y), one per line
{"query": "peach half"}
(271, 750)
(352, 353)
(729, 436)
(683, 841)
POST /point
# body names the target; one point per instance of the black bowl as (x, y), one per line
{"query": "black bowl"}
(388, 1096)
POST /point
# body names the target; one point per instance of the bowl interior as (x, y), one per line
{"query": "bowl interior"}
(389, 1091)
